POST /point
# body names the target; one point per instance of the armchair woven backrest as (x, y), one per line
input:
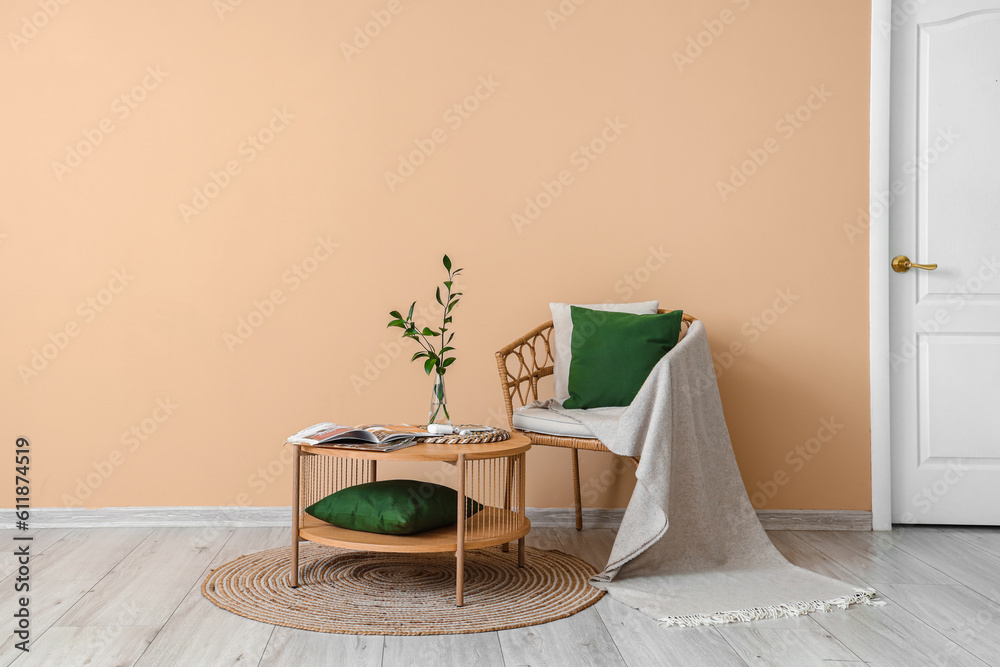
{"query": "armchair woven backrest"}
(534, 360)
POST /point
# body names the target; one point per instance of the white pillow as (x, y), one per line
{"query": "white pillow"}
(562, 336)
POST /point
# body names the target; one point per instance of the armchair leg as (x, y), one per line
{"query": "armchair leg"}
(576, 489)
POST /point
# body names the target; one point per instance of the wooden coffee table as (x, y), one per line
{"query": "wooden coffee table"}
(491, 473)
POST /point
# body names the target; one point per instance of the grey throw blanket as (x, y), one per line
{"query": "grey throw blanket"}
(690, 549)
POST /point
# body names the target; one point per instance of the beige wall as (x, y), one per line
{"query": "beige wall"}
(161, 95)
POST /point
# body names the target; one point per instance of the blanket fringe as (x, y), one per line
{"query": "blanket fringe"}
(861, 596)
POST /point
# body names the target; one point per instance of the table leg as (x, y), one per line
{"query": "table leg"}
(372, 471)
(505, 547)
(296, 460)
(521, 481)
(460, 552)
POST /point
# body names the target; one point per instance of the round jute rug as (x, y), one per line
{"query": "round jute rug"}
(368, 593)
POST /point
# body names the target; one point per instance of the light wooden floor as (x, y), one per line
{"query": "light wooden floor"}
(131, 596)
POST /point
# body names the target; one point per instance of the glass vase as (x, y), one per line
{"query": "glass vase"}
(439, 403)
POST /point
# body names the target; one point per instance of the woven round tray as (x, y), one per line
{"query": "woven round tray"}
(493, 435)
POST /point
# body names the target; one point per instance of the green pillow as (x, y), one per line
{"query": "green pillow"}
(392, 507)
(613, 354)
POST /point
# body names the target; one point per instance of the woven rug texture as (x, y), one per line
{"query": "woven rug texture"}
(367, 593)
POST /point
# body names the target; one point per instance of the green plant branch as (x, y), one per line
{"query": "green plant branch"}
(434, 358)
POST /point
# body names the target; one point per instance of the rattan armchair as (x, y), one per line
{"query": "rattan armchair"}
(534, 360)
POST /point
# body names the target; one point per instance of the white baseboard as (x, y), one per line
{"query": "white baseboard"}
(233, 517)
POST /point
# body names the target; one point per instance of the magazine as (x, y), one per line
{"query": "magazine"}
(374, 437)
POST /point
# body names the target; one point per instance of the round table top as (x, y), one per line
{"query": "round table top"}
(430, 451)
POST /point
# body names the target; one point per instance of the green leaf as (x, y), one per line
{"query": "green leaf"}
(395, 313)
(412, 306)
(397, 323)
(446, 349)
(437, 295)
(448, 362)
(428, 365)
(452, 305)
(417, 355)
(447, 263)
(447, 320)
(427, 332)
(449, 339)
(448, 284)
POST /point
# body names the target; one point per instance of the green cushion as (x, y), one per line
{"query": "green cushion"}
(613, 354)
(392, 507)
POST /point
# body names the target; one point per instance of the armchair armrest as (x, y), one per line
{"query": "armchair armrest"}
(534, 359)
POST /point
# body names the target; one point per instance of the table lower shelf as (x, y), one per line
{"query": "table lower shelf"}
(488, 527)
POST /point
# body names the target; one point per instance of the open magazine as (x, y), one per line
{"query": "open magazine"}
(371, 437)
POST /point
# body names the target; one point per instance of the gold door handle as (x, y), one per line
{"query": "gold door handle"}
(902, 264)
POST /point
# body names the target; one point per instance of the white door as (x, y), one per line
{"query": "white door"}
(945, 209)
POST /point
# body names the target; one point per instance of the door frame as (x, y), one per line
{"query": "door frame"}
(878, 271)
